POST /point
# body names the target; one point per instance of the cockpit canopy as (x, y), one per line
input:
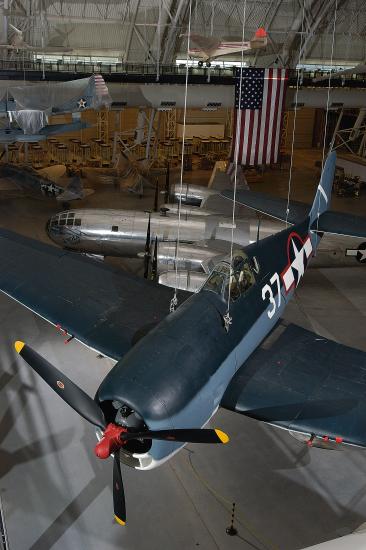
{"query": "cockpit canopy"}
(65, 218)
(236, 281)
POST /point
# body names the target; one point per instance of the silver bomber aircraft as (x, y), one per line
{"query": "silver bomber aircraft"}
(107, 232)
(204, 239)
(174, 370)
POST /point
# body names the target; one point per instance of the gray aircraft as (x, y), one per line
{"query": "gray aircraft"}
(174, 370)
(203, 239)
(30, 181)
(28, 107)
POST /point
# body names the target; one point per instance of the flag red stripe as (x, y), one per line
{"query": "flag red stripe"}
(258, 137)
(241, 148)
(250, 135)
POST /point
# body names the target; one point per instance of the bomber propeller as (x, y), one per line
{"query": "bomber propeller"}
(114, 436)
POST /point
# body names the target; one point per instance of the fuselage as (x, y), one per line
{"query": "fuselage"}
(28, 180)
(123, 232)
(176, 375)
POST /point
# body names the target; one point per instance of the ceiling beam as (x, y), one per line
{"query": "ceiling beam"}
(179, 9)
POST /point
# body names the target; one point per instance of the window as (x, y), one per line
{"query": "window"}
(70, 221)
(77, 221)
(238, 280)
(218, 278)
(115, 228)
(62, 222)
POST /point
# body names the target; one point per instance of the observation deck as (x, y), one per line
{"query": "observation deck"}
(36, 70)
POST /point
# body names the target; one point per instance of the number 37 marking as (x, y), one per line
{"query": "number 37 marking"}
(267, 291)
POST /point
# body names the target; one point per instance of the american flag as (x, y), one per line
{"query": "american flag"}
(100, 85)
(258, 115)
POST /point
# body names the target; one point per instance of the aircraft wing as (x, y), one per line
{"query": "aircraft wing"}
(205, 43)
(103, 307)
(300, 381)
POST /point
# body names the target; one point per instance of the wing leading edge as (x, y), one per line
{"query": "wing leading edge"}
(103, 307)
(303, 382)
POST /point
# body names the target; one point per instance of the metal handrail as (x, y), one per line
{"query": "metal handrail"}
(143, 69)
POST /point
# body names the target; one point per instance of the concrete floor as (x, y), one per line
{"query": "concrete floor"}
(57, 495)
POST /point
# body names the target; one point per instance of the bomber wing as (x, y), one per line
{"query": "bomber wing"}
(302, 382)
(103, 307)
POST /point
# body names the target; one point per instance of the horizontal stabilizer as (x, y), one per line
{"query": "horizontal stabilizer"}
(272, 206)
(337, 223)
(302, 382)
(340, 223)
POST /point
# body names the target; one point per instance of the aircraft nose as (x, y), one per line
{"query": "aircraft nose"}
(53, 230)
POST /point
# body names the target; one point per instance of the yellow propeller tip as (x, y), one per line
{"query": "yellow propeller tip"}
(121, 522)
(224, 438)
(19, 346)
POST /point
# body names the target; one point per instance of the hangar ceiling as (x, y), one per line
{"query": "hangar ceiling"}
(150, 30)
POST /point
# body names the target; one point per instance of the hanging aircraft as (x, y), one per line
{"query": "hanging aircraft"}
(131, 233)
(205, 237)
(18, 43)
(174, 370)
(28, 107)
(42, 183)
(343, 74)
(209, 47)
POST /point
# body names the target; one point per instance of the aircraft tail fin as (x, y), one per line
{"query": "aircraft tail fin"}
(324, 191)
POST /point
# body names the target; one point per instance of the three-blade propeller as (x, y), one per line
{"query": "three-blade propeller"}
(114, 436)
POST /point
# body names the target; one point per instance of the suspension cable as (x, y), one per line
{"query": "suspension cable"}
(298, 69)
(328, 100)
(227, 318)
(174, 300)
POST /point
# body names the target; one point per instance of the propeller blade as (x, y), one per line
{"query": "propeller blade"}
(147, 255)
(62, 385)
(154, 266)
(183, 436)
(119, 504)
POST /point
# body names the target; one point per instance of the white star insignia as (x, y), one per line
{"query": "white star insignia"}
(82, 103)
(298, 262)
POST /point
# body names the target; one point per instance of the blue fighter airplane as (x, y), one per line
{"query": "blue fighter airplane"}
(222, 347)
